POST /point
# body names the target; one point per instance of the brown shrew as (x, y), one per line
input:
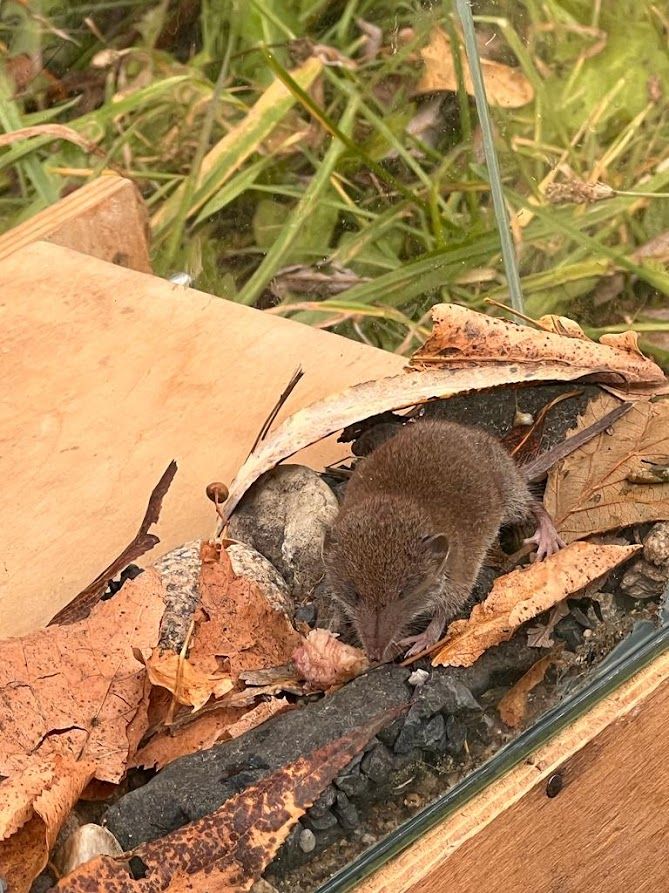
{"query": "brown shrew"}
(418, 517)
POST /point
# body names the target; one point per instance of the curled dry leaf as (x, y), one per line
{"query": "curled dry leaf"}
(202, 732)
(238, 622)
(78, 690)
(521, 595)
(33, 806)
(590, 491)
(229, 849)
(476, 351)
(189, 685)
(505, 86)
(199, 733)
(324, 661)
(461, 336)
(513, 706)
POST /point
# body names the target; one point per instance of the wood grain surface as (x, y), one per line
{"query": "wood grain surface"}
(108, 374)
(105, 218)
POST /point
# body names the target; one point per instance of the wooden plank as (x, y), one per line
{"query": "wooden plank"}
(106, 218)
(107, 375)
(605, 832)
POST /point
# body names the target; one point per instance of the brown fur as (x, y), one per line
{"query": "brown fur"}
(417, 519)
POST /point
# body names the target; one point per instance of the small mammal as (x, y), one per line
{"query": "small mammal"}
(418, 516)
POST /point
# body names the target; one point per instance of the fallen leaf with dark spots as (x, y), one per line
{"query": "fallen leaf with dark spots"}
(230, 848)
(467, 351)
(237, 623)
(77, 689)
(523, 594)
(590, 491)
(33, 806)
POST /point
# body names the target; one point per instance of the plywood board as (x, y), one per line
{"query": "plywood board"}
(106, 218)
(108, 374)
(604, 832)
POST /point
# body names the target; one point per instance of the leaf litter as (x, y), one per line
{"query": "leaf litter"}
(230, 848)
(238, 639)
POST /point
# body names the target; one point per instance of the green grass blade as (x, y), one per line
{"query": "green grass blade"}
(276, 255)
(236, 146)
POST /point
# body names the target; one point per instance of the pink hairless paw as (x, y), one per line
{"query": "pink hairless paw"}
(546, 537)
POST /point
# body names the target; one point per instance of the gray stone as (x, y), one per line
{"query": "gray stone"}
(656, 544)
(390, 734)
(284, 516)
(347, 814)
(321, 822)
(353, 784)
(441, 692)
(644, 580)
(378, 764)
(456, 733)
(307, 841)
(433, 735)
(324, 802)
(248, 562)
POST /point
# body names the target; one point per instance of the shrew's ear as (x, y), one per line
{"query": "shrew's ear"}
(436, 548)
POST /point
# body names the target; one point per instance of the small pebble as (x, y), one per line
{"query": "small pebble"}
(418, 677)
(368, 839)
(587, 633)
(413, 801)
(307, 841)
(656, 544)
(181, 278)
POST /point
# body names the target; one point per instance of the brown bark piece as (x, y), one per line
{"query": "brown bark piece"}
(524, 593)
(78, 690)
(590, 491)
(229, 849)
(33, 806)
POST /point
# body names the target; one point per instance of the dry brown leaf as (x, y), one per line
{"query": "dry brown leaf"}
(78, 690)
(477, 352)
(562, 325)
(461, 336)
(513, 706)
(190, 685)
(256, 716)
(588, 492)
(324, 661)
(33, 806)
(239, 623)
(521, 595)
(505, 86)
(625, 340)
(200, 733)
(229, 849)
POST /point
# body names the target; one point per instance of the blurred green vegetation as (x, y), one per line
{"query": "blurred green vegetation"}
(291, 159)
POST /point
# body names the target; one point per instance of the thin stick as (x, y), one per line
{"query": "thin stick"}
(269, 421)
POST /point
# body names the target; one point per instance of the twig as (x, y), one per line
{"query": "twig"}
(285, 394)
(83, 603)
(537, 468)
